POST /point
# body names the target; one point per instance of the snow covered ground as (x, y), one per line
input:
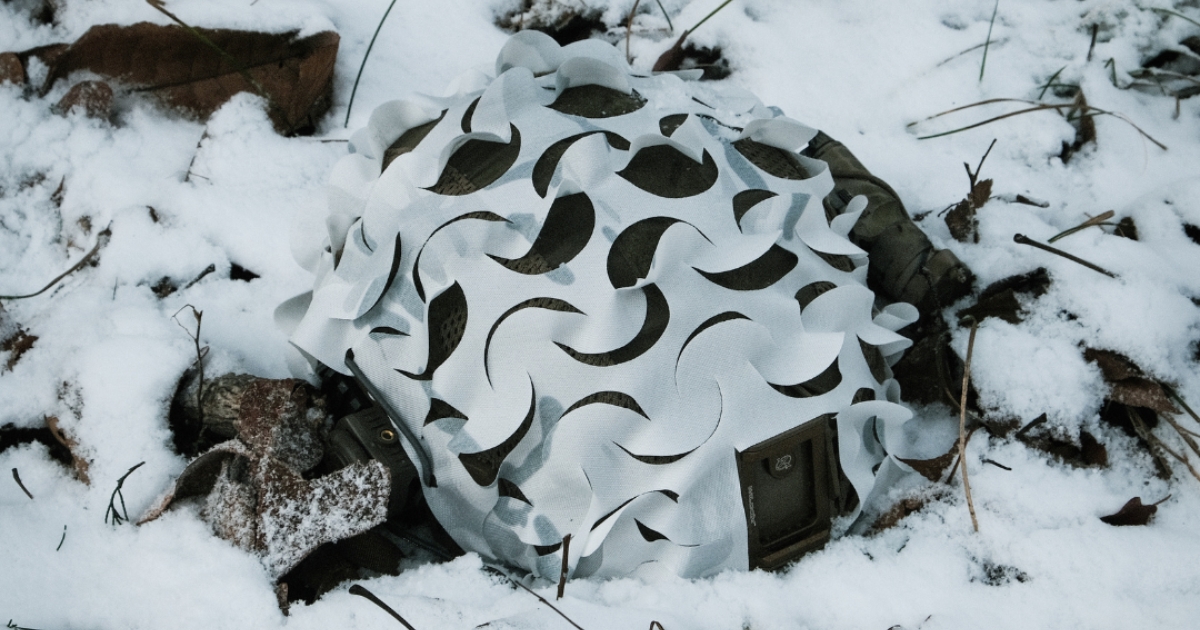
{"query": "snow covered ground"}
(108, 354)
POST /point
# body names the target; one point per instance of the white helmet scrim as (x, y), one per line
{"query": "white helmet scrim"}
(584, 292)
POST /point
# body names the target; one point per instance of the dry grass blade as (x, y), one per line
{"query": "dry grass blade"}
(364, 61)
(1094, 221)
(17, 478)
(987, 42)
(1174, 14)
(359, 590)
(1037, 107)
(629, 29)
(100, 242)
(542, 599)
(962, 424)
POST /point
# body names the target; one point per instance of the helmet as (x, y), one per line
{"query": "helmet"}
(608, 314)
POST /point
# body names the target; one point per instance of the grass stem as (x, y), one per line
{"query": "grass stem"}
(17, 478)
(361, 591)
(714, 12)
(354, 90)
(1094, 221)
(987, 42)
(962, 424)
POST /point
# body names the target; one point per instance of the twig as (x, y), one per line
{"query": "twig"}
(359, 590)
(655, 625)
(1025, 240)
(997, 464)
(629, 29)
(1094, 221)
(101, 239)
(1095, 31)
(63, 539)
(200, 354)
(17, 478)
(1182, 403)
(1183, 433)
(1059, 107)
(987, 42)
(541, 599)
(975, 175)
(117, 519)
(363, 65)
(13, 626)
(562, 577)
(962, 424)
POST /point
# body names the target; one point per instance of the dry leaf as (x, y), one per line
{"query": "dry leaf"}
(184, 72)
(1132, 513)
(672, 58)
(1129, 383)
(963, 224)
(18, 344)
(1000, 299)
(11, 69)
(78, 462)
(93, 98)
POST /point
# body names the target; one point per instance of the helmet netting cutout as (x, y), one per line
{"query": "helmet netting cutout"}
(583, 291)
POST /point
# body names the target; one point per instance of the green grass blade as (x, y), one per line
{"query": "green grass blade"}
(987, 43)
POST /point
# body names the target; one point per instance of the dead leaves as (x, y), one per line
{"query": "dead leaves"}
(1133, 513)
(184, 72)
(253, 487)
(1129, 384)
(961, 220)
(1003, 299)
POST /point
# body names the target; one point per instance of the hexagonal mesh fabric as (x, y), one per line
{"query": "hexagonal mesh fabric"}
(585, 290)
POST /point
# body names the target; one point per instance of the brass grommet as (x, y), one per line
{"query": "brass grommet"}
(387, 436)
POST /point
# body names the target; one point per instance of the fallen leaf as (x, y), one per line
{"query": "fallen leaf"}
(168, 61)
(1129, 383)
(1132, 513)
(18, 344)
(93, 98)
(963, 224)
(11, 69)
(78, 462)
(672, 58)
(1000, 299)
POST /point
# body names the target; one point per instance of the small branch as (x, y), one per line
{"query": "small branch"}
(123, 516)
(629, 33)
(363, 592)
(363, 65)
(1094, 221)
(562, 577)
(100, 241)
(1025, 240)
(17, 478)
(997, 464)
(542, 599)
(962, 424)
(200, 354)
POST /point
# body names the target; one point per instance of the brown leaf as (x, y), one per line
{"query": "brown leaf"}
(93, 98)
(934, 469)
(11, 69)
(18, 344)
(980, 193)
(1000, 299)
(168, 61)
(45, 54)
(1127, 228)
(80, 464)
(672, 59)
(1129, 383)
(1132, 513)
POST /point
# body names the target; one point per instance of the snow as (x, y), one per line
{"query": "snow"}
(859, 70)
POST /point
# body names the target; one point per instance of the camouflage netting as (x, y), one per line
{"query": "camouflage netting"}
(583, 290)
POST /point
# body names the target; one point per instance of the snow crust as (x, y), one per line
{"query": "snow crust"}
(858, 70)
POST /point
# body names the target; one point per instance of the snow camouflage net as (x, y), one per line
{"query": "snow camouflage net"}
(583, 292)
